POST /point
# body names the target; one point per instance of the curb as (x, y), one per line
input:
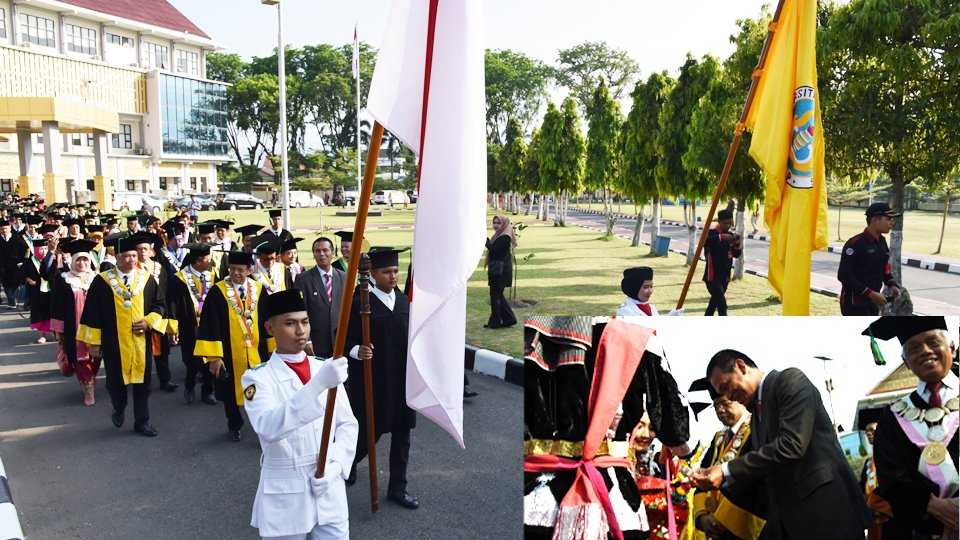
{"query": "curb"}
(9, 521)
(492, 363)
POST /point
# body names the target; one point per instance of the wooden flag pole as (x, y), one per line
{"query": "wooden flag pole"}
(734, 146)
(368, 380)
(346, 300)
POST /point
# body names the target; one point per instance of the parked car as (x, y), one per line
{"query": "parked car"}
(207, 202)
(234, 201)
(305, 199)
(390, 196)
(132, 201)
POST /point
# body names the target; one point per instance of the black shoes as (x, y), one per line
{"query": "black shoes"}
(208, 399)
(404, 499)
(188, 395)
(468, 393)
(117, 418)
(169, 386)
(146, 430)
(235, 435)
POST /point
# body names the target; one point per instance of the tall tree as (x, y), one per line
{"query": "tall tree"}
(603, 148)
(511, 163)
(531, 173)
(495, 181)
(640, 158)
(253, 104)
(582, 66)
(516, 87)
(889, 77)
(561, 149)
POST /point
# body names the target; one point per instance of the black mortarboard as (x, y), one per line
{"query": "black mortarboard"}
(633, 279)
(34, 219)
(73, 221)
(77, 246)
(384, 257)
(48, 228)
(345, 236)
(699, 385)
(240, 257)
(282, 302)
(275, 212)
(290, 244)
(868, 416)
(206, 227)
(144, 237)
(174, 227)
(249, 230)
(124, 244)
(266, 247)
(221, 223)
(195, 252)
(903, 328)
(94, 228)
(4, 222)
(133, 217)
(148, 220)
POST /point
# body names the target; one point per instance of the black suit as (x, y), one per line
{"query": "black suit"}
(811, 490)
(323, 312)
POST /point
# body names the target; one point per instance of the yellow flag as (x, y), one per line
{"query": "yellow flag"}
(788, 145)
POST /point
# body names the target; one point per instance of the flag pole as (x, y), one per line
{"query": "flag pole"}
(368, 380)
(346, 300)
(732, 152)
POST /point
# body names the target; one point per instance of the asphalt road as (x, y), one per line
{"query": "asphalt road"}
(73, 475)
(939, 292)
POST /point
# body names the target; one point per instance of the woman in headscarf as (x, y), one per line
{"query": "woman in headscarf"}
(499, 265)
(69, 296)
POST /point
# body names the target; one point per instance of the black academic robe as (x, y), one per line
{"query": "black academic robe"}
(898, 479)
(13, 252)
(63, 309)
(287, 280)
(213, 340)
(269, 236)
(181, 308)
(169, 262)
(39, 300)
(499, 263)
(341, 264)
(100, 315)
(388, 333)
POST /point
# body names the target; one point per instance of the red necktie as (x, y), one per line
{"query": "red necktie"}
(935, 394)
(645, 308)
(329, 284)
(302, 369)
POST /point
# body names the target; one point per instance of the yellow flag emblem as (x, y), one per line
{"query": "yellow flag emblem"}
(249, 392)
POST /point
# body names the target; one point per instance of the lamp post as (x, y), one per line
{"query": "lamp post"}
(282, 79)
(828, 382)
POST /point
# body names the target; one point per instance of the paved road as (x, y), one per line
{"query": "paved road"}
(932, 292)
(73, 475)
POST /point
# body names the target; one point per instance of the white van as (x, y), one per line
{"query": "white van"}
(304, 199)
(391, 197)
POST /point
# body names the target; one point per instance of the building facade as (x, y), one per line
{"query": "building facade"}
(101, 97)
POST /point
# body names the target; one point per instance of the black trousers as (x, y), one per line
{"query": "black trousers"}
(501, 314)
(399, 458)
(118, 391)
(163, 361)
(11, 293)
(718, 297)
(231, 409)
(194, 365)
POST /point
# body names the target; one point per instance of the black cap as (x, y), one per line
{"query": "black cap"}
(881, 209)
(73, 221)
(144, 237)
(94, 228)
(240, 257)
(195, 252)
(384, 257)
(904, 327)
(266, 247)
(282, 302)
(249, 230)
(124, 244)
(174, 227)
(205, 227)
(148, 220)
(77, 246)
(699, 385)
(133, 217)
(345, 236)
(34, 219)
(869, 416)
(290, 244)
(48, 228)
(724, 214)
(220, 223)
(275, 212)
(633, 279)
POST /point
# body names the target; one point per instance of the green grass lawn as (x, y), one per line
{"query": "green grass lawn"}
(573, 272)
(921, 230)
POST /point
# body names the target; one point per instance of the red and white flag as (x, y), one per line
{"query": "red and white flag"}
(428, 90)
(355, 64)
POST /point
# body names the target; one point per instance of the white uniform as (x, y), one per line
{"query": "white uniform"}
(631, 308)
(288, 417)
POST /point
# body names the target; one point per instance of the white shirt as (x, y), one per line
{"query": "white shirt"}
(948, 388)
(388, 299)
(631, 307)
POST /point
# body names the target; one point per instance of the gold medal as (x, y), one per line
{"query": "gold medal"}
(934, 415)
(934, 453)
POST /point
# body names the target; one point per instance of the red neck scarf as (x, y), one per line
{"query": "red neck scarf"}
(301, 368)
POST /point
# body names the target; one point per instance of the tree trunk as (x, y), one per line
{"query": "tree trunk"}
(839, 207)
(542, 212)
(739, 225)
(608, 212)
(692, 233)
(896, 235)
(556, 209)
(655, 223)
(529, 209)
(638, 228)
(943, 222)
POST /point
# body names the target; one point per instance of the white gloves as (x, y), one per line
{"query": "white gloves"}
(676, 312)
(332, 372)
(319, 486)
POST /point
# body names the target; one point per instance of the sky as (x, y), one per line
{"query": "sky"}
(778, 343)
(657, 34)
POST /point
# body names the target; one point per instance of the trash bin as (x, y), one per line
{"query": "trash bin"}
(662, 246)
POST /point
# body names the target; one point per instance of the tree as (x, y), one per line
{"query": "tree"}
(889, 77)
(581, 67)
(603, 148)
(228, 68)
(511, 163)
(562, 149)
(255, 118)
(640, 157)
(495, 181)
(673, 139)
(516, 86)
(531, 173)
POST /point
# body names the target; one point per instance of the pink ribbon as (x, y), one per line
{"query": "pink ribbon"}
(671, 519)
(934, 472)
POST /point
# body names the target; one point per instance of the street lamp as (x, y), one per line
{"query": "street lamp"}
(828, 382)
(282, 79)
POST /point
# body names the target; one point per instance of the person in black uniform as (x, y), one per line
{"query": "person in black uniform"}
(389, 319)
(186, 292)
(722, 246)
(275, 231)
(12, 256)
(500, 272)
(865, 265)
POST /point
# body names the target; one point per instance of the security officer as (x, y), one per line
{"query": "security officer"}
(865, 265)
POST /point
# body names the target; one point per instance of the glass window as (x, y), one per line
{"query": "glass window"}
(122, 41)
(193, 182)
(163, 182)
(124, 139)
(90, 140)
(37, 30)
(80, 39)
(6, 184)
(76, 139)
(131, 186)
(3, 23)
(194, 117)
(91, 186)
(188, 62)
(155, 56)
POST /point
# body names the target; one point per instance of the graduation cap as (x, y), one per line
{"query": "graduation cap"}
(111, 240)
(282, 302)
(4, 222)
(78, 246)
(144, 237)
(240, 257)
(148, 220)
(699, 385)
(73, 221)
(633, 279)
(384, 257)
(345, 236)
(206, 227)
(249, 230)
(123, 244)
(869, 416)
(221, 223)
(290, 244)
(275, 213)
(48, 228)
(34, 219)
(266, 247)
(174, 227)
(95, 228)
(195, 252)
(902, 328)
(133, 217)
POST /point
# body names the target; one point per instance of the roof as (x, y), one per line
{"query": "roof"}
(156, 12)
(900, 379)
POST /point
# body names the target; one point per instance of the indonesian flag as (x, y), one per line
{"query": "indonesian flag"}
(428, 90)
(355, 65)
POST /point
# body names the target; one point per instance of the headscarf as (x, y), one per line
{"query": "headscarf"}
(73, 260)
(504, 230)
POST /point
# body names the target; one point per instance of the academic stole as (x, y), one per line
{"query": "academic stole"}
(272, 283)
(935, 463)
(155, 345)
(44, 286)
(242, 326)
(741, 523)
(197, 289)
(128, 306)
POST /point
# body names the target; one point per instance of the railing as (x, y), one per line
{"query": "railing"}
(29, 73)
